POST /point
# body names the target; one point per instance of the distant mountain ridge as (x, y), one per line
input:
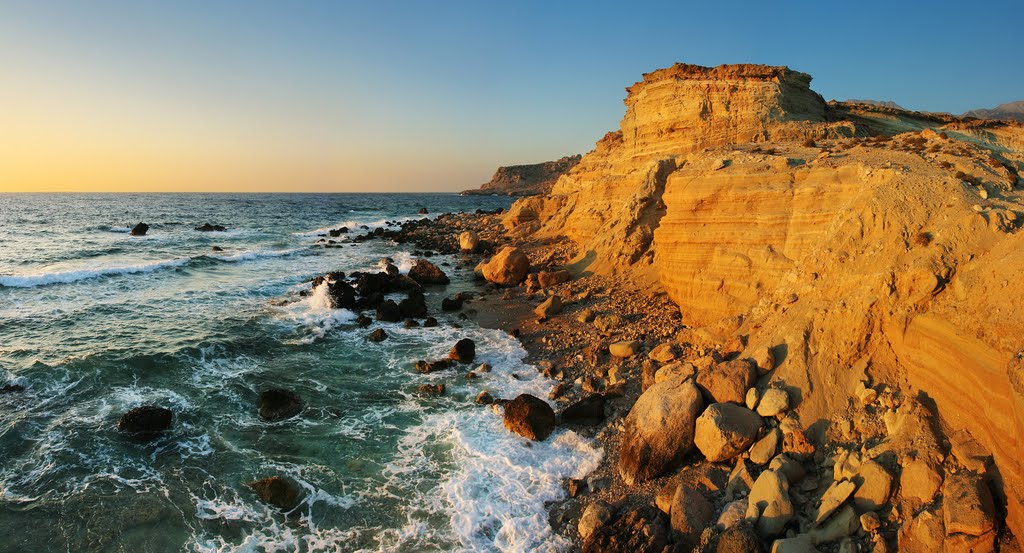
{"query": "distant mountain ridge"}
(883, 103)
(1010, 111)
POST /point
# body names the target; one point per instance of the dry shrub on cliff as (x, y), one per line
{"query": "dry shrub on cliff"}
(922, 238)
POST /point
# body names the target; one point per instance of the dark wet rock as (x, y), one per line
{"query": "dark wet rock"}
(414, 306)
(12, 389)
(530, 417)
(338, 232)
(464, 351)
(411, 323)
(280, 492)
(425, 272)
(211, 228)
(377, 335)
(140, 229)
(391, 269)
(388, 311)
(343, 296)
(642, 530)
(370, 301)
(427, 367)
(587, 411)
(279, 404)
(431, 389)
(363, 320)
(430, 322)
(146, 422)
(423, 211)
(372, 283)
(484, 398)
(449, 304)
(217, 249)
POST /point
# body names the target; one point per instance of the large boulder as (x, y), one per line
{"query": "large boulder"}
(389, 312)
(464, 351)
(508, 267)
(469, 242)
(641, 530)
(140, 229)
(280, 492)
(659, 430)
(728, 381)
(146, 422)
(425, 272)
(769, 505)
(547, 279)
(587, 411)
(725, 430)
(279, 404)
(413, 306)
(691, 513)
(530, 417)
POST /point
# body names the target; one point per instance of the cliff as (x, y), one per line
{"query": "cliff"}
(526, 180)
(856, 242)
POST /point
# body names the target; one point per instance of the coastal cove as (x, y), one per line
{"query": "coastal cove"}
(97, 322)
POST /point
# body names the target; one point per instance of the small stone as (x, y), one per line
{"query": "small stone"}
(791, 468)
(769, 504)
(764, 449)
(764, 359)
(733, 514)
(549, 307)
(844, 523)
(483, 368)
(594, 516)
(664, 353)
(920, 480)
(833, 498)
(378, 335)
(739, 538)
(869, 521)
(691, 513)
(431, 389)
(666, 494)
(752, 399)
(624, 349)
(773, 402)
(484, 398)
(586, 315)
(867, 396)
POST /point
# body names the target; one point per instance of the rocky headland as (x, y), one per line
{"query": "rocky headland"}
(803, 319)
(526, 180)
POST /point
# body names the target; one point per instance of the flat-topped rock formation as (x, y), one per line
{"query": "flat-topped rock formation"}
(856, 242)
(526, 180)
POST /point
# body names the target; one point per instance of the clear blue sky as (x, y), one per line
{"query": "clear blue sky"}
(427, 95)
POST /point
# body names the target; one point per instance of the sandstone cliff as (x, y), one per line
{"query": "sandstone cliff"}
(526, 180)
(857, 242)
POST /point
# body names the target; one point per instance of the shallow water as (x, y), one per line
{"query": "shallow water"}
(94, 321)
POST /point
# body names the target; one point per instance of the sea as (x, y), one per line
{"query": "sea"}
(95, 321)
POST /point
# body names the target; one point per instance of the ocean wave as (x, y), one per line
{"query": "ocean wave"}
(33, 280)
(250, 255)
(315, 314)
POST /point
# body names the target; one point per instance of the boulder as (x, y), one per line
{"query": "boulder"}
(769, 505)
(727, 382)
(586, 411)
(666, 494)
(530, 417)
(691, 513)
(732, 515)
(506, 268)
(801, 543)
(547, 279)
(790, 468)
(279, 404)
(920, 480)
(673, 370)
(609, 322)
(431, 389)
(641, 530)
(664, 353)
(967, 504)
(833, 498)
(378, 335)
(468, 242)
(433, 366)
(874, 485)
(146, 422)
(449, 305)
(763, 359)
(773, 402)
(282, 493)
(389, 312)
(464, 351)
(658, 431)
(725, 430)
(740, 538)
(549, 307)
(363, 321)
(140, 229)
(414, 306)
(425, 272)
(430, 322)
(211, 228)
(484, 398)
(594, 516)
(410, 323)
(842, 524)
(624, 349)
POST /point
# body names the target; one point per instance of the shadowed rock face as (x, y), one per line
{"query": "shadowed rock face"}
(765, 213)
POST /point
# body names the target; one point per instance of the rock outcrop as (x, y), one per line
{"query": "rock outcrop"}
(850, 242)
(526, 180)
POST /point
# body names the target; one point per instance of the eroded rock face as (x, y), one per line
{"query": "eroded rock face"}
(659, 429)
(527, 180)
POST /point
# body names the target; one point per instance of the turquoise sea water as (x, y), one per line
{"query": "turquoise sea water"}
(94, 321)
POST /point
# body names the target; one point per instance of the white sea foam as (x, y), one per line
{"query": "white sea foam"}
(316, 314)
(44, 278)
(250, 255)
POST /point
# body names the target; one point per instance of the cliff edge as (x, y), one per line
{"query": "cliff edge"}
(526, 180)
(856, 243)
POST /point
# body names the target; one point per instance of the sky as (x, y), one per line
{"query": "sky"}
(375, 96)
